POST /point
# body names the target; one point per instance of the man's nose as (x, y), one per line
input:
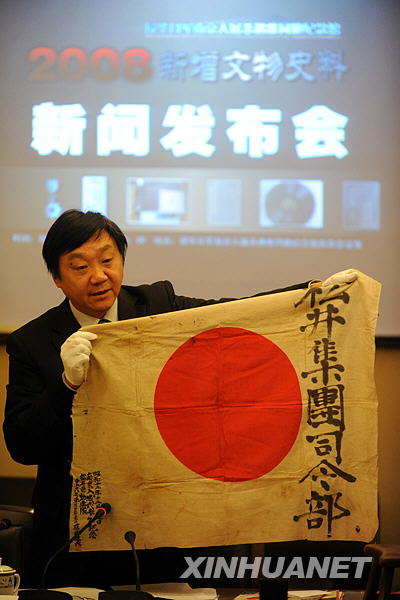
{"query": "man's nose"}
(98, 274)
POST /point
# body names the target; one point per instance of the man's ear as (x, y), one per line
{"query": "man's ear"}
(56, 280)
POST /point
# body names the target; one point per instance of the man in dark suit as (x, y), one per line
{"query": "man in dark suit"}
(49, 357)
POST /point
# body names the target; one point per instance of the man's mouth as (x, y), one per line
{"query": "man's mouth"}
(101, 293)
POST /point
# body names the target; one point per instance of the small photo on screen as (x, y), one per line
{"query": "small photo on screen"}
(361, 205)
(224, 202)
(153, 201)
(94, 194)
(291, 203)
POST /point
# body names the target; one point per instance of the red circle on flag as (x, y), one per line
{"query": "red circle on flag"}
(228, 404)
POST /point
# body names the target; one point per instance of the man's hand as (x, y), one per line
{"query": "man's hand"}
(341, 277)
(75, 354)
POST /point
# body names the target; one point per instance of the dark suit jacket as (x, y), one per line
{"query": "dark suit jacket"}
(37, 426)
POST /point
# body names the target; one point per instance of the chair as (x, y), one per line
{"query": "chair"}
(15, 540)
(386, 558)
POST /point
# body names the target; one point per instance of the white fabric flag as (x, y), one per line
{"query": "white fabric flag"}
(243, 422)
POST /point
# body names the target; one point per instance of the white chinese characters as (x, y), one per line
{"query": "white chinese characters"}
(58, 128)
(320, 132)
(253, 131)
(192, 130)
(124, 128)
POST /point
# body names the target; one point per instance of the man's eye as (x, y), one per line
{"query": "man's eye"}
(79, 267)
(107, 260)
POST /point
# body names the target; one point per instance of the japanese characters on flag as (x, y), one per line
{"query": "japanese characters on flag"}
(243, 422)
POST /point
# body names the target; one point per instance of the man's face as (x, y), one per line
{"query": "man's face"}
(91, 275)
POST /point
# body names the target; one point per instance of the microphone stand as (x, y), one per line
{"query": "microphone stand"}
(136, 594)
(101, 512)
(130, 537)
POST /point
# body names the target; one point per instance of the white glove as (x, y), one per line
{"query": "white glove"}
(75, 354)
(342, 277)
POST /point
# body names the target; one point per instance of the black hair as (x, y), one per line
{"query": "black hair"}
(72, 229)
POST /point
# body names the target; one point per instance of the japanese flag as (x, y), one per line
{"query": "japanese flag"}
(243, 422)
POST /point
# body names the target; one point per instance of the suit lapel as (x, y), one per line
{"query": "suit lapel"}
(129, 306)
(62, 323)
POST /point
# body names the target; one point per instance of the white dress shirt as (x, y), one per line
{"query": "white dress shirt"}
(83, 319)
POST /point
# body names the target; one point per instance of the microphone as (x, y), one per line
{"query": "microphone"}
(5, 524)
(130, 537)
(103, 510)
